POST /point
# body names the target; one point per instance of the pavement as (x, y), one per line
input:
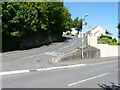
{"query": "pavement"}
(33, 68)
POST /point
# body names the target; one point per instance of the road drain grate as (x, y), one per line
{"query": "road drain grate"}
(33, 70)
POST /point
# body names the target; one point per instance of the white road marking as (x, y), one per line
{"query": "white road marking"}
(63, 47)
(43, 69)
(51, 68)
(62, 67)
(33, 56)
(52, 53)
(87, 79)
(72, 44)
(13, 72)
(48, 53)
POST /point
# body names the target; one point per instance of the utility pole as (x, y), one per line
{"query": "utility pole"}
(83, 23)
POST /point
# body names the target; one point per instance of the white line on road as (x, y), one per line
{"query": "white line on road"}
(13, 72)
(87, 79)
(62, 67)
(48, 53)
(72, 44)
(43, 69)
(33, 56)
(63, 47)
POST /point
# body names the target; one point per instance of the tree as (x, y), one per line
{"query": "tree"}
(118, 30)
(23, 19)
(77, 24)
(119, 26)
(108, 33)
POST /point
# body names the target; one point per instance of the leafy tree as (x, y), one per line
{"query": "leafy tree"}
(22, 19)
(77, 24)
(118, 30)
(108, 33)
(118, 26)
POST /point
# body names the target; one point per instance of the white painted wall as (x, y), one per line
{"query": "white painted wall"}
(105, 49)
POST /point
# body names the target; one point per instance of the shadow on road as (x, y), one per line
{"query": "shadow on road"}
(109, 87)
(62, 39)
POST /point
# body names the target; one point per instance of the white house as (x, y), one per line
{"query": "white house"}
(97, 31)
(74, 31)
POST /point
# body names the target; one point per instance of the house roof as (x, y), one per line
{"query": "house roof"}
(92, 29)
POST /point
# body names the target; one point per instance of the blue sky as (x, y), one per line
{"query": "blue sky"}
(104, 14)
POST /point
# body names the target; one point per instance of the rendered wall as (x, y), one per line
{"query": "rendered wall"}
(105, 49)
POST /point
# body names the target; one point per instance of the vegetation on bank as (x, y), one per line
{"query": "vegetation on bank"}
(107, 40)
(21, 20)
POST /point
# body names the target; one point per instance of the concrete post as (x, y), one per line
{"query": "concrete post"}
(92, 40)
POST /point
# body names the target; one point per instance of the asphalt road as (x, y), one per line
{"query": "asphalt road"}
(82, 75)
(38, 57)
(33, 69)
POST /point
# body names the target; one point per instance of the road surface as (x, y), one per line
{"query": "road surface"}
(33, 69)
(38, 57)
(85, 74)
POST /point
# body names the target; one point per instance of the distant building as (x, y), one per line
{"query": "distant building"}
(74, 31)
(97, 31)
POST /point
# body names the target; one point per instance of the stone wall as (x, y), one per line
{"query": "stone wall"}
(36, 41)
(88, 52)
(91, 52)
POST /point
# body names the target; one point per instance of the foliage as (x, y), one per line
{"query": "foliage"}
(118, 26)
(22, 19)
(114, 43)
(107, 40)
(77, 24)
(114, 40)
(107, 37)
(108, 33)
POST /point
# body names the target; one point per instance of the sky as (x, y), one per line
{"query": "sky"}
(104, 14)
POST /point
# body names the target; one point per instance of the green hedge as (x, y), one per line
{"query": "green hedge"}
(107, 37)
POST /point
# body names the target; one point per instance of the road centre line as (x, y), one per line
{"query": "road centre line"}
(48, 53)
(13, 72)
(41, 69)
(71, 84)
(68, 46)
(62, 67)
(73, 43)
(33, 56)
(63, 47)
